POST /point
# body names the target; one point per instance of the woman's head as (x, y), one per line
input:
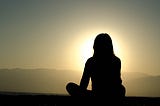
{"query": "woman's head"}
(103, 44)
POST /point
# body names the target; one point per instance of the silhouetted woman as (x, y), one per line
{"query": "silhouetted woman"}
(104, 69)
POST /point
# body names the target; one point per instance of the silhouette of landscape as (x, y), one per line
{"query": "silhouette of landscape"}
(59, 33)
(19, 98)
(50, 84)
(54, 81)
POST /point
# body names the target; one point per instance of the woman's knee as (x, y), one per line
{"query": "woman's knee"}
(72, 88)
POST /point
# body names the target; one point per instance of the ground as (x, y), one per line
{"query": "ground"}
(66, 100)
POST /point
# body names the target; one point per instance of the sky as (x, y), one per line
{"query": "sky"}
(59, 34)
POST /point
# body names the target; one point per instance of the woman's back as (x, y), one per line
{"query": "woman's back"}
(105, 75)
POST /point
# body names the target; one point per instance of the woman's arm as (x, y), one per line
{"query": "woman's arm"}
(118, 70)
(86, 76)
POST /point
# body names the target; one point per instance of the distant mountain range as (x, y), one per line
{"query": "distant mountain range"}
(54, 81)
(37, 80)
(141, 84)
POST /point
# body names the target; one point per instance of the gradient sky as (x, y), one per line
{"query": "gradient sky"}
(53, 33)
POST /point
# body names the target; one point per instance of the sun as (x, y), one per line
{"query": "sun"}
(86, 49)
(116, 49)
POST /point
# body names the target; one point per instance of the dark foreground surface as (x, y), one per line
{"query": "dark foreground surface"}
(35, 99)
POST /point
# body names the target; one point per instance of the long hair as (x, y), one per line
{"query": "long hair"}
(103, 46)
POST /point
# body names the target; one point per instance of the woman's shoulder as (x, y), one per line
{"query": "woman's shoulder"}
(116, 59)
(90, 60)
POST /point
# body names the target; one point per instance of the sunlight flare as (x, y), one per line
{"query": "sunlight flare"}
(86, 49)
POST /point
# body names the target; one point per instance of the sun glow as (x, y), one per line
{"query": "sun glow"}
(87, 49)
(116, 49)
(84, 48)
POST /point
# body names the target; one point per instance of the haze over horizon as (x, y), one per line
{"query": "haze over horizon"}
(52, 81)
(59, 34)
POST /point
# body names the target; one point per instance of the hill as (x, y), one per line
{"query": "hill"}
(51, 81)
(141, 84)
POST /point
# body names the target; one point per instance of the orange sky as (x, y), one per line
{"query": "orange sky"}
(51, 34)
